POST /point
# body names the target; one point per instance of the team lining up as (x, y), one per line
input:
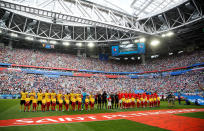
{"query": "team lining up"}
(49, 101)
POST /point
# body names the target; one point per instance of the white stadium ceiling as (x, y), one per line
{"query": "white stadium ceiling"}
(140, 8)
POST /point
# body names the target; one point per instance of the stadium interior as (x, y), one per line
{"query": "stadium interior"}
(151, 47)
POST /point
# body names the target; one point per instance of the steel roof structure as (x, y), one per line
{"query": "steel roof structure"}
(84, 21)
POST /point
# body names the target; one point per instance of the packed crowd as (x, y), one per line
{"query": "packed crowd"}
(55, 59)
(77, 100)
(14, 82)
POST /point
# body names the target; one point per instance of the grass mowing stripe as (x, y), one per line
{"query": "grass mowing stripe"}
(193, 114)
(112, 125)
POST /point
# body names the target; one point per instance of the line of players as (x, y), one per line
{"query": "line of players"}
(49, 101)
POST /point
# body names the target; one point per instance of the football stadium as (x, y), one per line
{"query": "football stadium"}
(101, 65)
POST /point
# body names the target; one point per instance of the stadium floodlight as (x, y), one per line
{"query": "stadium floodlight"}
(79, 44)
(136, 41)
(129, 46)
(142, 39)
(91, 44)
(125, 58)
(117, 58)
(169, 34)
(133, 58)
(125, 42)
(53, 42)
(138, 58)
(155, 42)
(29, 38)
(43, 40)
(180, 52)
(170, 53)
(13, 35)
(66, 43)
(0, 31)
(154, 56)
(163, 35)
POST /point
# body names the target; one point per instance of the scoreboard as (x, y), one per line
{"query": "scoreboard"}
(136, 48)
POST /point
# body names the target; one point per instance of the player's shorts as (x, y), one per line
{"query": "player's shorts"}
(31, 101)
(34, 104)
(57, 102)
(27, 104)
(132, 103)
(79, 103)
(48, 103)
(22, 102)
(39, 102)
(53, 104)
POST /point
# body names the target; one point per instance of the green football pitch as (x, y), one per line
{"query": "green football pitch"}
(10, 109)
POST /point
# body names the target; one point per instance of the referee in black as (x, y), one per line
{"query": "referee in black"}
(99, 99)
(104, 99)
(112, 100)
(116, 100)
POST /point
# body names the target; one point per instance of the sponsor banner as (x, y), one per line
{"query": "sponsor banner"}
(9, 96)
(91, 117)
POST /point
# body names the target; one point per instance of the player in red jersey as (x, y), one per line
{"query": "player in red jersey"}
(130, 95)
(138, 103)
(120, 101)
(126, 95)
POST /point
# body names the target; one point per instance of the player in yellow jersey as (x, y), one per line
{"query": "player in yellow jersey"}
(73, 103)
(92, 100)
(145, 102)
(53, 103)
(66, 103)
(59, 96)
(86, 103)
(34, 104)
(155, 101)
(79, 100)
(23, 97)
(53, 94)
(43, 104)
(158, 101)
(60, 103)
(72, 95)
(150, 102)
(133, 102)
(32, 96)
(40, 96)
(47, 94)
(123, 101)
(27, 103)
(66, 96)
(48, 101)
(138, 103)
(142, 102)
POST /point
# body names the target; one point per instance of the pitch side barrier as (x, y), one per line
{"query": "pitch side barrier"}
(103, 72)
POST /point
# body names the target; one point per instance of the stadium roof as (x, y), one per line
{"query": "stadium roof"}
(139, 8)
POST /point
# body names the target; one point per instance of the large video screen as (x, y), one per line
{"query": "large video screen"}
(137, 48)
